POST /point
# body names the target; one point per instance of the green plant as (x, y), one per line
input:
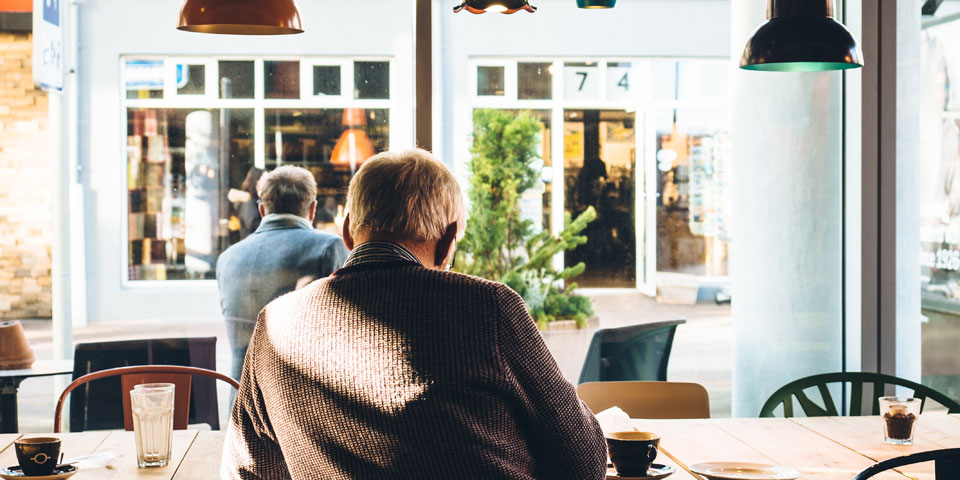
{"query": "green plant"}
(499, 244)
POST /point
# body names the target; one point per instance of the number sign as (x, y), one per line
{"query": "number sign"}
(581, 82)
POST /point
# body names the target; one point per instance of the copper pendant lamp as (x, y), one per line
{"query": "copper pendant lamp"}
(354, 146)
(240, 17)
(801, 36)
(502, 6)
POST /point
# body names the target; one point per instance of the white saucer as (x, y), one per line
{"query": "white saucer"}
(14, 473)
(655, 472)
(743, 471)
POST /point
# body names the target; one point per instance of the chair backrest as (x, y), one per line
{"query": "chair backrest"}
(130, 376)
(829, 407)
(947, 466)
(92, 357)
(648, 399)
(636, 352)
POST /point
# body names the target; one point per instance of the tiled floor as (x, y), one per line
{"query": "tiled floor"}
(702, 350)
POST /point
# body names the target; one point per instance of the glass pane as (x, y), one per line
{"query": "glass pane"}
(332, 143)
(581, 81)
(490, 81)
(534, 81)
(939, 203)
(371, 79)
(281, 79)
(191, 79)
(326, 80)
(143, 78)
(600, 172)
(236, 79)
(182, 168)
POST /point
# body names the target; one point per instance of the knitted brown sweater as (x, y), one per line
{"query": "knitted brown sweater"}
(391, 370)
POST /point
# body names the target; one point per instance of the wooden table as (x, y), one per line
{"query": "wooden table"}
(196, 454)
(823, 448)
(10, 384)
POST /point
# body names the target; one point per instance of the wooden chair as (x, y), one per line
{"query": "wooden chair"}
(130, 376)
(648, 399)
(947, 466)
(829, 408)
(636, 352)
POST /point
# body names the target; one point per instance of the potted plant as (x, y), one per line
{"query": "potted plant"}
(499, 244)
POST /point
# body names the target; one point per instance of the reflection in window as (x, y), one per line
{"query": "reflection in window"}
(534, 81)
(143, 78)
(190, 79)
(326, 80)
(490, 81)
(281, 79)
(236, 79)
(371, 79)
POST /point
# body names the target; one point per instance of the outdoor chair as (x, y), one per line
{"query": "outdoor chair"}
(96, 406)
(947, 466)
(130, 376)
(648, 399)
(829, 407)
(637, 352)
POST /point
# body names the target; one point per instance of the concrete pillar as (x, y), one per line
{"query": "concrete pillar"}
(787, 250)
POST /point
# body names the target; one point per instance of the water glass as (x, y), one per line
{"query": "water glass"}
(899, 419)
(152, 405)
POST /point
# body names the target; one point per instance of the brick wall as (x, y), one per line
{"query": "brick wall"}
(25, 176)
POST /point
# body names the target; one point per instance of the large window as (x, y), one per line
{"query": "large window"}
(201, 131)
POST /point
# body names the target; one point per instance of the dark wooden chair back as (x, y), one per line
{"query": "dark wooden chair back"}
(130, 376)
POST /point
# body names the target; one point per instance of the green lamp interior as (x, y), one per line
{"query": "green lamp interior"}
(800, 66)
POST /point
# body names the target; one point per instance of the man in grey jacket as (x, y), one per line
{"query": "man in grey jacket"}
(282, 255)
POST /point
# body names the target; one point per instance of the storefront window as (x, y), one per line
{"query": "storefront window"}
(196, 148)
(939, 167)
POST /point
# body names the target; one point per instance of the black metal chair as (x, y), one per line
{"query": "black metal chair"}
(98, 406)
(947, 466)
(637, 352)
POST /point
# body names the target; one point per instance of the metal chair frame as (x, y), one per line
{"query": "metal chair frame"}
(947, 466)
(138, 370)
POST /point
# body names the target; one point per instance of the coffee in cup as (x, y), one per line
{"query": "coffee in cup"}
(38, 456)
(633, 452)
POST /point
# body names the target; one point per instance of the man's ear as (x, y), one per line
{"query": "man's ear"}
(312, 211)
(262, 210)
(347, 238)
(444, 245)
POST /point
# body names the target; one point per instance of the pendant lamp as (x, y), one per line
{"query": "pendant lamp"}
(502, 6)
(801, 36)
(596, 3)
(354, 146)
(240, 17)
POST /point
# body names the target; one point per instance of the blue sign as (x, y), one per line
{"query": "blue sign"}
(51, 11)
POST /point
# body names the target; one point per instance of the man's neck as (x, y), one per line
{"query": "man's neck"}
(422, 250)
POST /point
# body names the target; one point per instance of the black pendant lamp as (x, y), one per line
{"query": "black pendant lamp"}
(596, 3)
(501, 6)
(240, 17)
(801, 36)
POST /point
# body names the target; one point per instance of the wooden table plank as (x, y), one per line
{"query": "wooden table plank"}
(71, 445)
(123, 445)
(6, 440)
(816, 456)
(947, 426)
(864, 435)
(202, 461)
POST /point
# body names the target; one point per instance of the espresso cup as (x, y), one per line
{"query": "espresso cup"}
(38, 456)
(633, 452)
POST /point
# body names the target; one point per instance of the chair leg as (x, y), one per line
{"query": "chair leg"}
(948, 469)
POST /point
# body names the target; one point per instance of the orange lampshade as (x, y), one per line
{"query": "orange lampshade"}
(354, 146)
(240, 17)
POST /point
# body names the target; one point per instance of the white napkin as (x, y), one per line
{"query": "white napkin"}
(614, 419)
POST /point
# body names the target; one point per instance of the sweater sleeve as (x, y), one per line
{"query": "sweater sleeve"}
(250, 451)
(563, 434)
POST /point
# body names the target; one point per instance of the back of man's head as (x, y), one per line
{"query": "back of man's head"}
(288, 189)
(409, 195)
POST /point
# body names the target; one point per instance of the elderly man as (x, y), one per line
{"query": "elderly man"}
(393, 367)
(284, 253)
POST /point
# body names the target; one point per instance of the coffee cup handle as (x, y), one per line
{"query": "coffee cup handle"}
(651, 452)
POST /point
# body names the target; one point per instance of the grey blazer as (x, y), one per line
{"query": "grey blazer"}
(271, 261)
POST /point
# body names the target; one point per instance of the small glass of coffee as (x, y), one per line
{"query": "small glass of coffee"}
(900, 416)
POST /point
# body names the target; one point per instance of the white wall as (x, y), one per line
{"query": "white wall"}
(111, 28)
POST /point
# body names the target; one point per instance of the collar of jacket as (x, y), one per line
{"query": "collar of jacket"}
(277, 221)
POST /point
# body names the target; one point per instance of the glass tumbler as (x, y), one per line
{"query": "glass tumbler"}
(152, 405)
(900, 416)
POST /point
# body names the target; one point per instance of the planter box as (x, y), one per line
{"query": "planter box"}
(560, 325)
(677, 289)
(569, 344)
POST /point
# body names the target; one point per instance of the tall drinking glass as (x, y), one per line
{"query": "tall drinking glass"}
(152, 405)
